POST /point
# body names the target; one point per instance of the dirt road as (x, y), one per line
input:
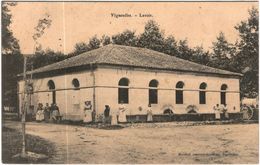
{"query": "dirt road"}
(150, 143)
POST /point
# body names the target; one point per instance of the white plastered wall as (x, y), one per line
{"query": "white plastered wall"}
(107, 94)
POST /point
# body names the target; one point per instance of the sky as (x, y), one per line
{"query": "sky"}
(73, 22)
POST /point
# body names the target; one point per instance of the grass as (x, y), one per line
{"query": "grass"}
(12, 145)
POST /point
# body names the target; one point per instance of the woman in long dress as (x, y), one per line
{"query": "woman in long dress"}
(217, 112)
(55, 112)
(122, 114)
(149, 114)
(87, 116)
(225, 111)
(40, 113)
(47, 112)
(87, 112)
(114, 118)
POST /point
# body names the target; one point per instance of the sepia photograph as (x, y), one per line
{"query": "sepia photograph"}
(113, 82)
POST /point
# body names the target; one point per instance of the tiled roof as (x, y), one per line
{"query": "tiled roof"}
(131, 56)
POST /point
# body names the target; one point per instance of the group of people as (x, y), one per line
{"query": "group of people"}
(52, 112)
(221, 109)
(47, 113)
(120, 116)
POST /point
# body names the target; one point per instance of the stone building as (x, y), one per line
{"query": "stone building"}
(116, 74)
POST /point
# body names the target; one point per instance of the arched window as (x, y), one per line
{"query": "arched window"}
(179, 92)
(75, 83)
(223, 94)
(153, 93)
(51, 86)
(123, 91)
(202, 93)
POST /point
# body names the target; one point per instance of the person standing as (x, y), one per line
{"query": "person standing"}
(225, 111)
(87, 112)
(55, 113)
(40, 113)
(122, 114)
(114, 118)
(217, 112)
(149, 113)
(106, 113)
(47, 111)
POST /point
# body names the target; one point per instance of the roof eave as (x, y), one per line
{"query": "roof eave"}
(144, 67)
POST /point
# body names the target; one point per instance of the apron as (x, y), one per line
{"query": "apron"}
(122, 115)
(217, 114)
(87, 116)
(114, 119)
(40, 115)
(149, 115)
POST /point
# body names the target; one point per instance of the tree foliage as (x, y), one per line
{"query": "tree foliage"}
(43, 24)
(170, 46)
(44, 57)
(82, 47)
(247, 59)
(199, 55)
(184, 51)
(152, 37)
(94, 43)
(105, 40)
(12, 60)
(127, 38)
(9, 42)
(223, 51)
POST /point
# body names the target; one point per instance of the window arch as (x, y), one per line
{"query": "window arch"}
(179, 92)
(223, 93)
(75, 83)
(153, 92)
(202, 93)
(51, 86)
(123, 91)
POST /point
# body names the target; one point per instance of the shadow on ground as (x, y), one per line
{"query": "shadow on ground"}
(111, 127)
(12, 145)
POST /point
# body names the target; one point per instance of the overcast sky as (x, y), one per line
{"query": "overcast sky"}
(72, 22)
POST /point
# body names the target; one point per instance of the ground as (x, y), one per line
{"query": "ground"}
(12, 145)
(149, 143)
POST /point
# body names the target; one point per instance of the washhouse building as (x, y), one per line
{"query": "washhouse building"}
(115, 74)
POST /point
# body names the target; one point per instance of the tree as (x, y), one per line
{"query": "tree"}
(83, 47)
(12, 60)
(9, 42)
(105, 40)
(94, 43)
(246, 60)
(42, 25)
(184, 51)
(44, 57)
(79, 48)
(200, 56)
(170, 46)
(222, 53)
(127, 38)
(152, 37)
